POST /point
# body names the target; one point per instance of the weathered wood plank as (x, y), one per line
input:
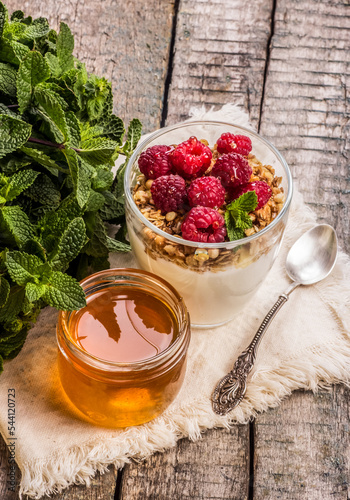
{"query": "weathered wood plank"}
(306, 103)
(219, 55)
(126, 42)
(215, 467)
(302, 448)
(102, 487)
(7, 475)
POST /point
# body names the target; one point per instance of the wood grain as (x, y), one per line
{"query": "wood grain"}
(306, 106)
(127, 42)
(219, 56)
(302, 448)
(215, 467)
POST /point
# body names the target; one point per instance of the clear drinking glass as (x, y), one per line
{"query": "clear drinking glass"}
(216, 280)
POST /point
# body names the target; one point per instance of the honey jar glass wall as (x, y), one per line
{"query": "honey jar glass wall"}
(122, 358)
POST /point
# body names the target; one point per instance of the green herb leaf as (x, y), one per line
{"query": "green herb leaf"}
(19, 224)
(42, 159)
(65, 47)
(70, 244)
(98, 150)
(34, 291)
(52, 111)
(23, 267)
(114, 128)
(3, 18)
(4, 291)
(17, 183)
(236, 215)
(32, 71)
(134, 133)
(8, 76)
(247, 202)
(81, 181)
(13, 134)
(39, 28)
(64, 292)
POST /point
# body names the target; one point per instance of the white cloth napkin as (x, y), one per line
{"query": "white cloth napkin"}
(307, 345)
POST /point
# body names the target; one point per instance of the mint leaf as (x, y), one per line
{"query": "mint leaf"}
(3, 18)
(95, 201)
(34, 291)
(41, 158)
(13, 134)
(237, 215)
(4, 291)
(114, 128)
(74, 129)
(233, 232)
(64, 47)
(134, 133)
(18, 182)
(19, 224)
(39, 28)
(44, 191)
(64, 292)
(32, 71)
(8, 76)
(102, 180)
(98, 150)
(51, 110)
(23, 267)
(70, 244)
(247, 202)
(80, 179)
(13, 304)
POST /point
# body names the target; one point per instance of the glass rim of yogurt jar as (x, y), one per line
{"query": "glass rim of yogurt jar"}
(167, 355)
(196, 244)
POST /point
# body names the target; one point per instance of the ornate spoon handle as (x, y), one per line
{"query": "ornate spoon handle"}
(230, 391)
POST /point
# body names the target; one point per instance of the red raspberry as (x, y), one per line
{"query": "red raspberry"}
(155, 161)
(232, 169)
(169, 192)
(191, 158)
(206, 192)
(204, 224)
(230, 143)
(262, 189)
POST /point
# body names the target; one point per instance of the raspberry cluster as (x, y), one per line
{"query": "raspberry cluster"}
(189, 179)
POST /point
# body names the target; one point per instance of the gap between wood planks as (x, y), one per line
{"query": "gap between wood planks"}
(118, 495)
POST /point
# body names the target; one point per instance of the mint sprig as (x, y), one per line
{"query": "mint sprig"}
(237, 215)
(59, 198)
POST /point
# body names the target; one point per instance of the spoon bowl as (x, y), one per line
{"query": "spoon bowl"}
(313, 255)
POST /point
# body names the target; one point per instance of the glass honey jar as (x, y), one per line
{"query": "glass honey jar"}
(122, 358)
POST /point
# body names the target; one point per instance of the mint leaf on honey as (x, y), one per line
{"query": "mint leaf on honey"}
(237, 215)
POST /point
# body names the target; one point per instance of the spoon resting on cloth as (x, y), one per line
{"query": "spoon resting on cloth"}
(310, 260)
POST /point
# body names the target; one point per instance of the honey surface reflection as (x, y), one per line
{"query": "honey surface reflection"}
(124, 325)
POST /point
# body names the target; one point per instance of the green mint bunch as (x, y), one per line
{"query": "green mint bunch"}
(59, 200)
(237, 215)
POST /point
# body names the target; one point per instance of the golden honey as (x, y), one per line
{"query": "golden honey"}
(122, 358)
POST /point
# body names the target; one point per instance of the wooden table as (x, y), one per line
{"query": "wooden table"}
(287, 63)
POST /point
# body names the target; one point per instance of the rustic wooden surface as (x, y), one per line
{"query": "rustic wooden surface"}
(287, 63)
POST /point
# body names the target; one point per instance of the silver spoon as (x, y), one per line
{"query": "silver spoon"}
(311, 259)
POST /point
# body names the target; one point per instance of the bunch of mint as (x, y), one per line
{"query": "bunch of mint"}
(237, 218)
(59, 199)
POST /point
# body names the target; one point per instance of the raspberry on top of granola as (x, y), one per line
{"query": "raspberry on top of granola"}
(208, 195)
